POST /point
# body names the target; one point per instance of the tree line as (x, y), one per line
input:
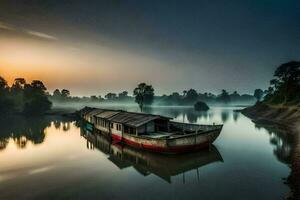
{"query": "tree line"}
(144, 94)
(64, 95)
(22, 97)
(33, 98)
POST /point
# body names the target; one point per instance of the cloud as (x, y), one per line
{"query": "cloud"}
(6, 27)
(41, 35)
(38, 34)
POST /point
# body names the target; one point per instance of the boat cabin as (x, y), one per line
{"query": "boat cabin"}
(102, 120)
(118, 122)
(139, 123)
(90, 115)
(83, 112)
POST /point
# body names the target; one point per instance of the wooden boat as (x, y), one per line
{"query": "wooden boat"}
(146, 163)
(151, 132)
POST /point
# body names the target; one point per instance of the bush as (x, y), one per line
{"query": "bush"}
(6, 105)
(201, 106)
(37, 106)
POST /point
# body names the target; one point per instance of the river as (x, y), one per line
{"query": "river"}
(53, 158)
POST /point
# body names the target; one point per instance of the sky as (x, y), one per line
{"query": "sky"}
(95, 47)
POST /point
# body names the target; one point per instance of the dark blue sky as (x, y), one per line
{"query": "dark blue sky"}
(210, 44)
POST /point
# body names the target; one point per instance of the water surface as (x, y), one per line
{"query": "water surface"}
(53, 158)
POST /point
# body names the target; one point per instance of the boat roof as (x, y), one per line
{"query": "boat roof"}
(94, 112)
(121, 164)
(86, 109)
(134, 119)
(107, 114)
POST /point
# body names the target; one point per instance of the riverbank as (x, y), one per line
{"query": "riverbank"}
(282, 116)
(287, 120)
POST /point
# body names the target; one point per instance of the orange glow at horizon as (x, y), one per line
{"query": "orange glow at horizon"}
(34, 60)
(85, 69)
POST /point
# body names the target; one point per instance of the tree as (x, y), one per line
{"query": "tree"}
(56, 93)
(224, 97)
(100, 98)
(6, 103)
(191, 96)
(144, 95)
(175, 97)
(18, 85)
(3, 86)
(286, 84)
(110, 96)
(123, 95)
(38, 87)
(201, 106)
(65, 93)
(258, 94)
(288, 72)
(235, 96)
(17, 92)
(35, 99)
(94, 98)
(37, 106)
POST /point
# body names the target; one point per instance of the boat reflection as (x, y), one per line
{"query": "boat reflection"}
(146, 163)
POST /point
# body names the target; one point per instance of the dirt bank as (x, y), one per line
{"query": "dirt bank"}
(287, 116)
(284, 118)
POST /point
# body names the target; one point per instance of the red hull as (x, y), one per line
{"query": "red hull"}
(116, 137)
(170, 150)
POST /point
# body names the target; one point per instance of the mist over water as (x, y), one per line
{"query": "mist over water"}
(54, 158)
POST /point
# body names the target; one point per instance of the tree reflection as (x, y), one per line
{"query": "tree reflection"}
(23, 130)
(235, 116)
(286, 152)
(192, 117)
(224, 115)
(3, 144)
(282, 141)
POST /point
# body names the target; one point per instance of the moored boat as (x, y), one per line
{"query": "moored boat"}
(151, 132)
(146, 163)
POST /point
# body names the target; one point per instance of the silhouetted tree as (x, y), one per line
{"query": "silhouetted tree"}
(201, 106)
(56, 93)
(18, 85)
(4, 89)
(258, 94)
(286, 84)
(36, 101)
(94, 98)
(191, 96)
(224, 97)
(143, 95)
(65, 93)
(123, 95)
(110, 96)
(6, 103)
(17, 92)
(235, 96)
(174, 97)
